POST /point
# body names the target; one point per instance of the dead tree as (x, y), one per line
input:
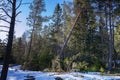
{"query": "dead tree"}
(69, 35)
(10, 36)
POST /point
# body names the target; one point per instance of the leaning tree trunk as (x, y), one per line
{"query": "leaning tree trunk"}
(60, 56)
(69, 35)
(9, 44)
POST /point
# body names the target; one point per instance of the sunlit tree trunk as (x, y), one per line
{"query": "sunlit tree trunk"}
(69, 35)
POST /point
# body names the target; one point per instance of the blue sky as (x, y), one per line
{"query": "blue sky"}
(50, 5)
(21, 27)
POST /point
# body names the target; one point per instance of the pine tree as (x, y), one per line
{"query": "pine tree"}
(85, 30)
(35, 21)
(56, 28)
(18, 50)
(57, 32)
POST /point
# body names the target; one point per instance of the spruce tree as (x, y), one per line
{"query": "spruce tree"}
(35, 20)
(57, 33)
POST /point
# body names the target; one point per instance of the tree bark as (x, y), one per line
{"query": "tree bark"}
(9, 44)
(110, 39)
(106, 34)
(69, 35)
(29, 49)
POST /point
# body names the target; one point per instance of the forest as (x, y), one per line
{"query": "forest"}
(83, 35)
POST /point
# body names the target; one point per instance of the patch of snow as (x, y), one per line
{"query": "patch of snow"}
(15, 73)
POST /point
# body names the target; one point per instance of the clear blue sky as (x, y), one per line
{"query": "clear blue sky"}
(50, 5)
(21, 27)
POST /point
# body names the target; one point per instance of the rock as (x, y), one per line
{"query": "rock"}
(58, 78)
(28, 77)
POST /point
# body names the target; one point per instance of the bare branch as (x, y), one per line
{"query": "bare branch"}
(5, 12)
(4, 26)
(10, 1)
(3, 31)
(18, 13)
(4, 20)
(2, 15)
(19, 4)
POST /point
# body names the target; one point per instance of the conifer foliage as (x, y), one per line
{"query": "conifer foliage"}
(53, 44)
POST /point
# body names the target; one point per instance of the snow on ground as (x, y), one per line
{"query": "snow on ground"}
(15, 73)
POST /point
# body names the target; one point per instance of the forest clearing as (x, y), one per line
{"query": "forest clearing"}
(64, 39)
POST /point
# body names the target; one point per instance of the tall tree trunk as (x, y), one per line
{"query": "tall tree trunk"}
(107, 34)
(110, 39)
(29, 49)
(102, 38)
(101, 30)
(9, 44)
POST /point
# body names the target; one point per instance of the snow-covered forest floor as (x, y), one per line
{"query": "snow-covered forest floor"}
(16, 74)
